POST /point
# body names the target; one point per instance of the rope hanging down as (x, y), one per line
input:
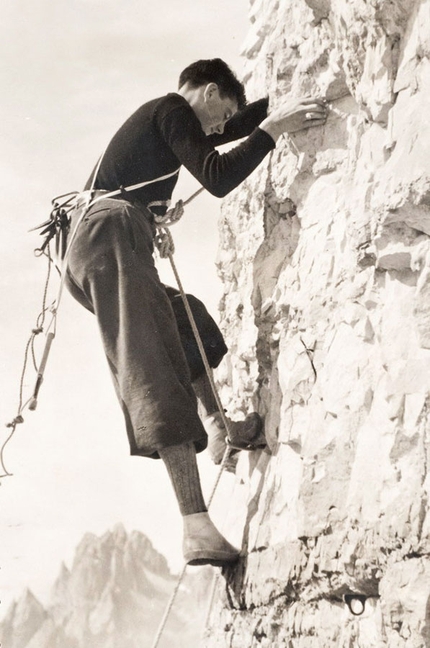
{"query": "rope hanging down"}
(225, 422)
(174, 594)
(29, 349)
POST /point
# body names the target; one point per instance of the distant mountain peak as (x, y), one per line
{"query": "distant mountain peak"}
(114, 595)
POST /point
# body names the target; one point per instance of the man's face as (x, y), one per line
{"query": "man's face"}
(214, 111)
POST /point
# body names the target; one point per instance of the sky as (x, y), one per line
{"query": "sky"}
(71, 72)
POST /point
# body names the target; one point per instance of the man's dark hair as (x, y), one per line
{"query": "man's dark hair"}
(214, 71)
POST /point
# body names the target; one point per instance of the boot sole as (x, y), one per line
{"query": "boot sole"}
(257, 442)
(217, 560)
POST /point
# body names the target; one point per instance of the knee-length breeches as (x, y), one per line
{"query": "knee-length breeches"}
(111, 272)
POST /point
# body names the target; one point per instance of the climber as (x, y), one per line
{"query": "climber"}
(111, 269)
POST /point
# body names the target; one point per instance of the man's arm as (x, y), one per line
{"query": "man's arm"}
(242, 123)
(291, 116)
(218, 172)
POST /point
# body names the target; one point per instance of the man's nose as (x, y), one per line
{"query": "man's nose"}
(220, 128)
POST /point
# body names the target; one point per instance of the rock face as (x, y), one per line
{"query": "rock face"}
(114, 596)
(325, 260)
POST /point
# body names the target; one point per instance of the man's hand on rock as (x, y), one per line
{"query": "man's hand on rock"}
(294, 115)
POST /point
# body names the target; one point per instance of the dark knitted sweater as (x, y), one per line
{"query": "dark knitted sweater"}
(165, 133)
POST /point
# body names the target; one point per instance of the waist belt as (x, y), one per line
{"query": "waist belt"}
(58, 224)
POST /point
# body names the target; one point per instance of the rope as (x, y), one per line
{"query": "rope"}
(227, 451)
(172, 599)
(29, 347)
(211, 599)
(199, 344)
(163, 239)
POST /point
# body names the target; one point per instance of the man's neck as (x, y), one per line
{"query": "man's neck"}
(192, 95)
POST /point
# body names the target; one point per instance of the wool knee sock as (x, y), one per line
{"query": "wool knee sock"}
(203, 390)
(181, 464)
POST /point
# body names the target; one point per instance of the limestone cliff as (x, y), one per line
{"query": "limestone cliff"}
(325, 259)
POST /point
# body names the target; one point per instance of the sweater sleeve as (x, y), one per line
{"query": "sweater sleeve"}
(242, 123)
(218, 173)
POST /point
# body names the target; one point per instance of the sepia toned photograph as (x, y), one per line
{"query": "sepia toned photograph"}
(215, 359)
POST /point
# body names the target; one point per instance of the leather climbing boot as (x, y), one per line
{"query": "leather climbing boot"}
(203, 544)
(243, 435)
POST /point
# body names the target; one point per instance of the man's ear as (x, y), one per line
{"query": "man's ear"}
(210, 91)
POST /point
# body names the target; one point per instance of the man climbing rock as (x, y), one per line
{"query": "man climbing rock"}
(111, 269)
